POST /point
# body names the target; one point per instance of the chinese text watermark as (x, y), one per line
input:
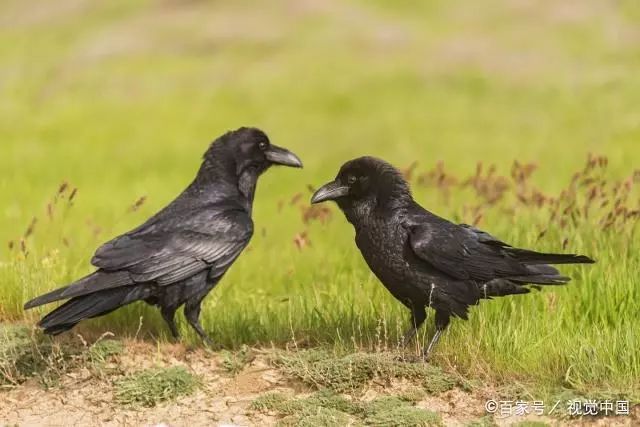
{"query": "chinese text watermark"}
(572, 408)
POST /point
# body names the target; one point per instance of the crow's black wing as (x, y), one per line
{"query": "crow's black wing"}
(467, 253)
(462, 252)
(164, 251)
(485, 237)
(205, 239)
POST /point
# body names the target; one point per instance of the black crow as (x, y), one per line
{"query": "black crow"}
(182, 252)
(425, 260)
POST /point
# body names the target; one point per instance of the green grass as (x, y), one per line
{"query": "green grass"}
(486, 421)
(152, 386)
(532, 424)
(26, 354)
(351, 372)
(394, 412)
(235, 361)
(327, 408)
(120, 100)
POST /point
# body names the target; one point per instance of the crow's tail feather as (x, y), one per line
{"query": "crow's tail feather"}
(522, 285)
(96, 304)
(94, 282)
(540, 274)
(535, 258)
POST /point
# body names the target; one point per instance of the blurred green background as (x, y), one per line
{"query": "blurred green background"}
(121, 98)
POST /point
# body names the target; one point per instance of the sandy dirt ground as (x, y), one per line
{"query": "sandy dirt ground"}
(84, 398)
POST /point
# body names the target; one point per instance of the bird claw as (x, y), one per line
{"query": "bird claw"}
(210, 344)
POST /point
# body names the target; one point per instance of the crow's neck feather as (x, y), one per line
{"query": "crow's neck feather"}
(218, 178)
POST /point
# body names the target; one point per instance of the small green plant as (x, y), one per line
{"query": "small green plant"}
(531, 424)
(102, 350)
(382, 404)
(327, 408)
(276, 402)
(234, 362)
(25, 354)
(151, 386)
(413, 394)
(15, 343)
(403, 416)
(332, 400)
(486, 421)
(353, 371)
(316, 417)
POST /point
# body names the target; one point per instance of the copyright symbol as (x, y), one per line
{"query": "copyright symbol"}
(491, 406)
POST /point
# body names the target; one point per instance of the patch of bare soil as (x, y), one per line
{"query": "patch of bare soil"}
(86, 396)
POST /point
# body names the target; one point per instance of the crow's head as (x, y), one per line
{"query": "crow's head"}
(236, 160)
(362, 185)
(248, 150)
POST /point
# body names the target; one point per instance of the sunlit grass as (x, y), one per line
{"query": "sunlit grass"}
(120, 100)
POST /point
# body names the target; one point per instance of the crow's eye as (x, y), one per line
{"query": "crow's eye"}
(263, 145)
(351, 179)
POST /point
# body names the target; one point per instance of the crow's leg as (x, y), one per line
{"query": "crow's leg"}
(192, 313)
(168, 314)
(442, 321)
(418, 316)
(432, 343)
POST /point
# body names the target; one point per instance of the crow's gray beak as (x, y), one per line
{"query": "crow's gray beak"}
(330, 191)
(280, 156)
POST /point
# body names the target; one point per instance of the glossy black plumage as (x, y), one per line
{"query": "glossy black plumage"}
(180, 254)
(425, 260)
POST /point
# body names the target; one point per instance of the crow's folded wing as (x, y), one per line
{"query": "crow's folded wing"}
(204, 240)
(462, 252)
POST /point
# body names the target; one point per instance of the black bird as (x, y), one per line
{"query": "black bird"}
(425, 260)
(182, 252)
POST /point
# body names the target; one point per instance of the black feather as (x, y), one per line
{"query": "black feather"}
(425, 260)
(178, 255)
